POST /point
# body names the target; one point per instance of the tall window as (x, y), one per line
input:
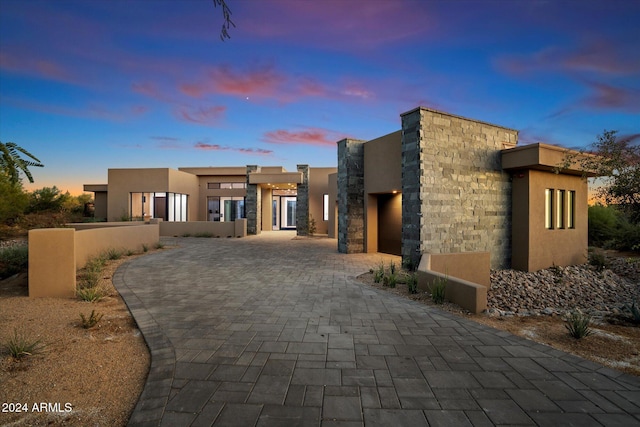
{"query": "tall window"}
(325, 207)
(548, 208)
(560, 209)
(571, 209)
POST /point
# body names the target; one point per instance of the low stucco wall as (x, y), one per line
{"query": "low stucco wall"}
(237, 228)
(467, 275)
(56, 253)
(91, 225)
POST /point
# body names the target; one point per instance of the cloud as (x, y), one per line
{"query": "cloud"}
(39, 67)
(216, 147)
(309, 136)
(600, 57)
(604, 96)
(200, 115)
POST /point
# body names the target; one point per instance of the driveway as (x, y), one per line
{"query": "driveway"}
(273, 330)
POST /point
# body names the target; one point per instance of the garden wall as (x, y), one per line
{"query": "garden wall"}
(56, 253)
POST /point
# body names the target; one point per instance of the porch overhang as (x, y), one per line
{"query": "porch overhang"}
(275, 178)
(544, 157)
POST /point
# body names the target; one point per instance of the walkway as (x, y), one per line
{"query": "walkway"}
(273, 331)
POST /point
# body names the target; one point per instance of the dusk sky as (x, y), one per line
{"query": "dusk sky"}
(98, 84)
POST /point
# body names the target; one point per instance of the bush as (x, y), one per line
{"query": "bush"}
(438, 288)
(92, 294)
(13, 202)
(379, 273)
(390, 280)
(412, 283)
(577, 323)
(113, 254)
(14, 259)
(599, 260)
(609, 228)
(91, 321)
(21, 345)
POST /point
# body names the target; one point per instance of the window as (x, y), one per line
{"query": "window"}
(560, 209)
(325, 207)
(571, 209)
(213, 185)
(548, 208)
(233, 185)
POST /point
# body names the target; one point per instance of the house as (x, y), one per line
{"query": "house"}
(442, 184)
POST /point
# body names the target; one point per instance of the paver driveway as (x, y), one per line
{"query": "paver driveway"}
(274, 331)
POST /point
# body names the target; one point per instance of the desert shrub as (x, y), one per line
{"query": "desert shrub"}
(390, 280)
(14, 259)
(91, 294)
(145, 247)
(578, 324)
(159, 245)
(408, 265)
(13, 202)
(113, 254)
(129, 252)
(599, 260)
(412, 283)
(392, 267)
(20, 345)
(378, 273)
(634, 310)
(311, 225)
(203, 234)
(437, 289)
(91, 321)
(610, 228)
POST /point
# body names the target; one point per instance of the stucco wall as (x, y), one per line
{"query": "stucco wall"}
(534, 246)
(216, 229)
(456, 198)
(332, 226)
(318, 187)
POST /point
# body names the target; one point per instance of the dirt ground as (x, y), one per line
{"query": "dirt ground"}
(99, 373)
(79, 377)
(614, 342)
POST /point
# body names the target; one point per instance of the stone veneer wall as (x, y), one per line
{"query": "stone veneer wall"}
(455, 196)
(302, 203)
(253, 204)
(350, 196)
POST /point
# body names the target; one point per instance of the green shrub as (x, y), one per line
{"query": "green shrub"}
(390, 280)
(634, 310)
(13, 202)
(92, 294)
(14, 259)
(113, 254)
(203, 234)
(437, 289)
(412, 283)
(379, 273)
(408, 265)
(145, 248)
(129, 252)
(159, 245)
(599, 260)
(91, 321)
(577, 323)
(392, 267)
(610, 228)
(311, 225)
(21, 345)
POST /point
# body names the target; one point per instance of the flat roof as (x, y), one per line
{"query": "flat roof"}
(444, 113)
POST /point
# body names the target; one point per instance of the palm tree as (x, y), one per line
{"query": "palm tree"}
(11, 163)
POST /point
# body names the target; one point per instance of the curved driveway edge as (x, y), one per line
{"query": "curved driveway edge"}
(273, 331)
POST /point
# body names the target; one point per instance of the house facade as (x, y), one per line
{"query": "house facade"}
(442, 184)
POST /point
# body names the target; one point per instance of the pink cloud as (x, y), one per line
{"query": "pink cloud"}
(310, 136)
(216, 147)
(201, 115)
(598, 56)
(607, 97)
(43, 68)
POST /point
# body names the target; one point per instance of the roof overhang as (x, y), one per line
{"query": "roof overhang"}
(544, 157)
(95, 187)
(275, 178)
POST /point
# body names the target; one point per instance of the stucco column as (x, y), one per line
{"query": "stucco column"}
(302, 203)
(253, 204)
(351, 196)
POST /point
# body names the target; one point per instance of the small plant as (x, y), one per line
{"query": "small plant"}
(408, 265)
(412, 283)
(186, 235)
(634, 310)
(113, 254)
(598, 260)
(558, 273)
(159, 245)
(391, 280)
(20, 345)
(129, 252)
(392, 267)
(577, 323)
(311, 225)
(91, 321)
(379, 273)
(92, 294)
(145, 248)
(437, 289)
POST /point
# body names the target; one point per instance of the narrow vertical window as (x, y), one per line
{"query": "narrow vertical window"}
(571, 209)
(325, 207)
(560, 209)
(548, 208)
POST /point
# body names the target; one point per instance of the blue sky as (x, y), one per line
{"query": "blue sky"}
(91, 85)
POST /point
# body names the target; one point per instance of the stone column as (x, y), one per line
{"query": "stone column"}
(253, 204)
(412, 162)
(302, 203)
(351, 196)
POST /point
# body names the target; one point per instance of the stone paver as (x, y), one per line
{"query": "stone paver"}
(274, 331)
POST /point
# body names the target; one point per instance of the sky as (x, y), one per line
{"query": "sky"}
(96, 84)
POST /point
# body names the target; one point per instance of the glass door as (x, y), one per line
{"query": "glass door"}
(288, 212)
